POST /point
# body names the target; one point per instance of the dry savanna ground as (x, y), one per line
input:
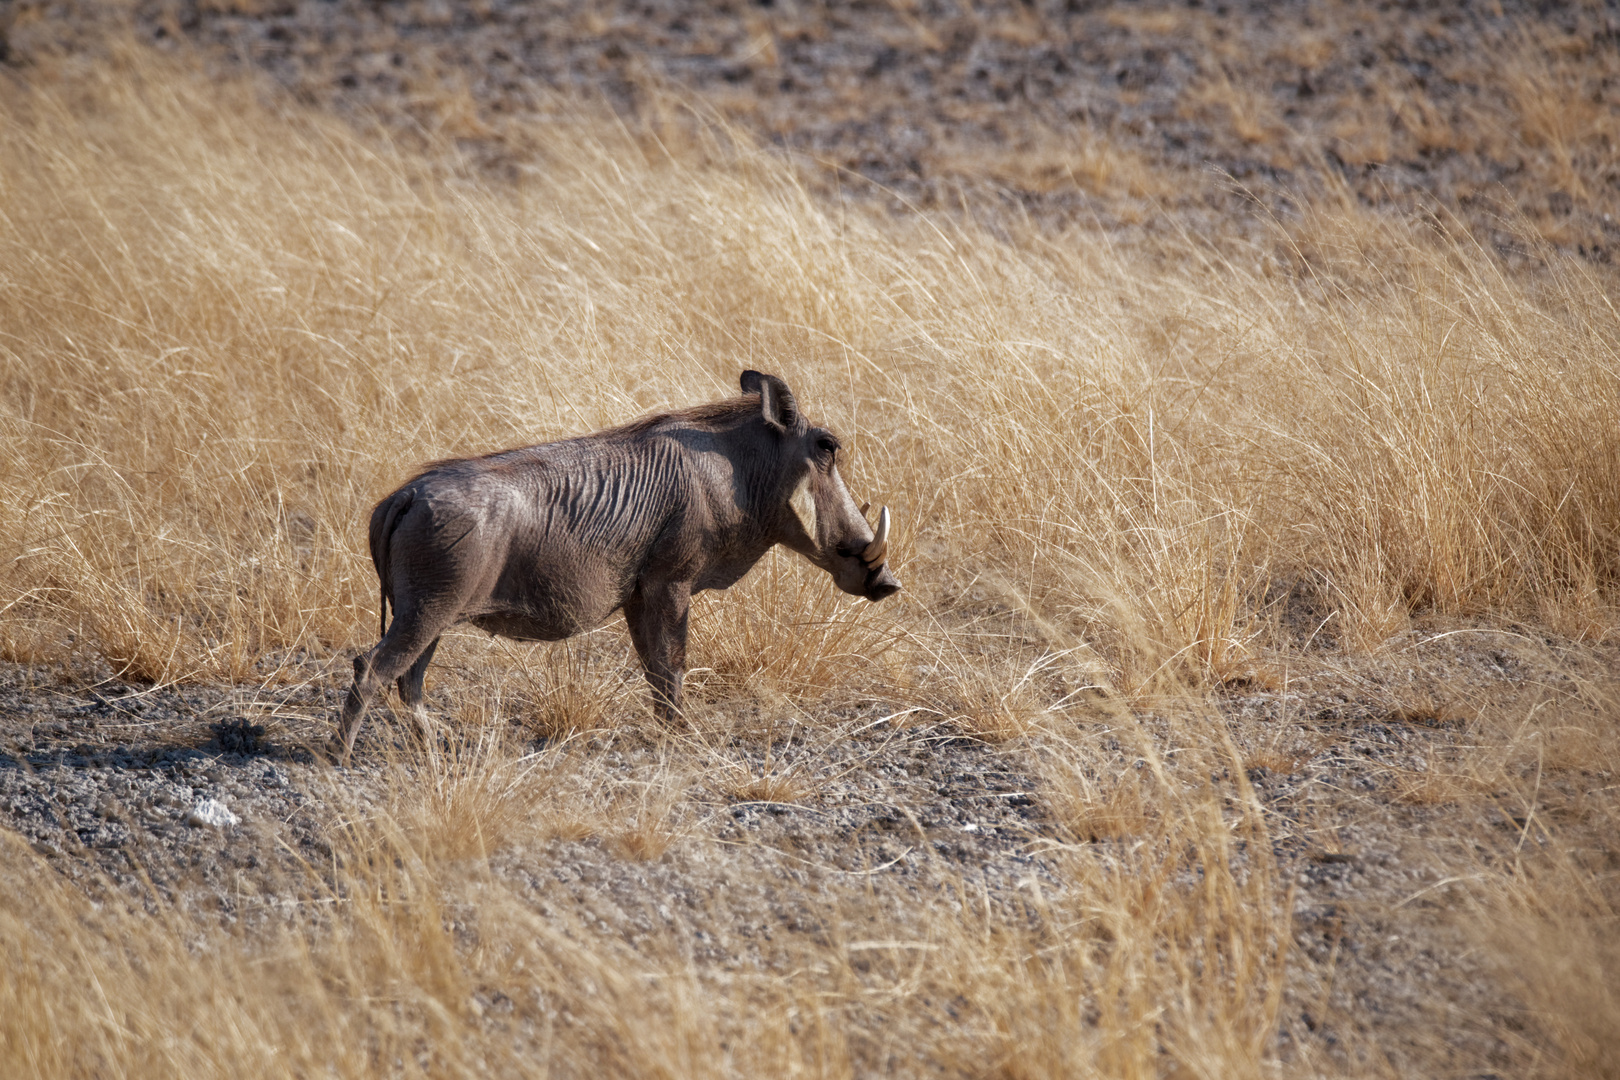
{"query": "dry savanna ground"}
(1249, 710)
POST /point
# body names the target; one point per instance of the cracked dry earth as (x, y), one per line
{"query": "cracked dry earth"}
(1378, 807)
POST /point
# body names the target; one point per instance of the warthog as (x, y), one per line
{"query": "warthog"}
(547, 541)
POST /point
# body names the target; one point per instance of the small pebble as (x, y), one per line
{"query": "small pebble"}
(213, 813)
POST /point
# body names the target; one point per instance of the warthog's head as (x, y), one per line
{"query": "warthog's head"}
(821, 521)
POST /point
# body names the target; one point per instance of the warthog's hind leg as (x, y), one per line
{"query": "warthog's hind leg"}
(410, 692)
(409, 642)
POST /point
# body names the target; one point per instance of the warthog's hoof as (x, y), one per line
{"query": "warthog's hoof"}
(331, 752)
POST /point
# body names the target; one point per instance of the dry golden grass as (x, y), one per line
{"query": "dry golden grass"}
(226, 330)
(1044, 161)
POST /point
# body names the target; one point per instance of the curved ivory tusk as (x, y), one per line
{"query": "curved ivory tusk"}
(864, 508)
(880, 542)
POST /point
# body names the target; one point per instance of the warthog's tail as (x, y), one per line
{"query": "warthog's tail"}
(383, 519)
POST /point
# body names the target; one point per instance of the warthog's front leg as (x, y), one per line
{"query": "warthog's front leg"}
(656, 614)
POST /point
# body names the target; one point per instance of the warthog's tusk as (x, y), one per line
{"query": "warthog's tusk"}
(864, 508)
(879, 546)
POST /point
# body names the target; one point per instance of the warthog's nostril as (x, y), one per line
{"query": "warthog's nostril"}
(880, 584)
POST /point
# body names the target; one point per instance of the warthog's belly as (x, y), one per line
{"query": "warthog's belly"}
(522, 627)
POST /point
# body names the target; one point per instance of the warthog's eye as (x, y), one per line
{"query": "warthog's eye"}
(827, 444)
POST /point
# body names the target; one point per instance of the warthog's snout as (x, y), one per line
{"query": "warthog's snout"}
(881, 585)
(864, 570)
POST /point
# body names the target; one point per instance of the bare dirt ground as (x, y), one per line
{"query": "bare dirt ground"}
(1085, 112)
(1368, 771)
(1368, 765)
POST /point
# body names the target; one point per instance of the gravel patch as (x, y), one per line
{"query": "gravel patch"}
(193, 790)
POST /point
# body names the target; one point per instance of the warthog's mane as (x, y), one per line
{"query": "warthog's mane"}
(717, 413)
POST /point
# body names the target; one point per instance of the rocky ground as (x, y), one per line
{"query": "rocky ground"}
(90, 771)
(1378, 801)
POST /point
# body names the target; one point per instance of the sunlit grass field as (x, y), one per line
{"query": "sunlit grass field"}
(1125, 478)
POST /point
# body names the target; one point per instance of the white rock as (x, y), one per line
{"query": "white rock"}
(211, 812)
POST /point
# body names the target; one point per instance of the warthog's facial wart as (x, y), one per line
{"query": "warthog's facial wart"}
(803, 504)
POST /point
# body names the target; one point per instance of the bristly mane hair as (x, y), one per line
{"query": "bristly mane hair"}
(737, 408)
(729, 409)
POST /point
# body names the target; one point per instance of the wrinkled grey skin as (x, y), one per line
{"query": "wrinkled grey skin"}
(548, 541)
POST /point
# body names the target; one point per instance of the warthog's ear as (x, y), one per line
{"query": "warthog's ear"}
(775, 399)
